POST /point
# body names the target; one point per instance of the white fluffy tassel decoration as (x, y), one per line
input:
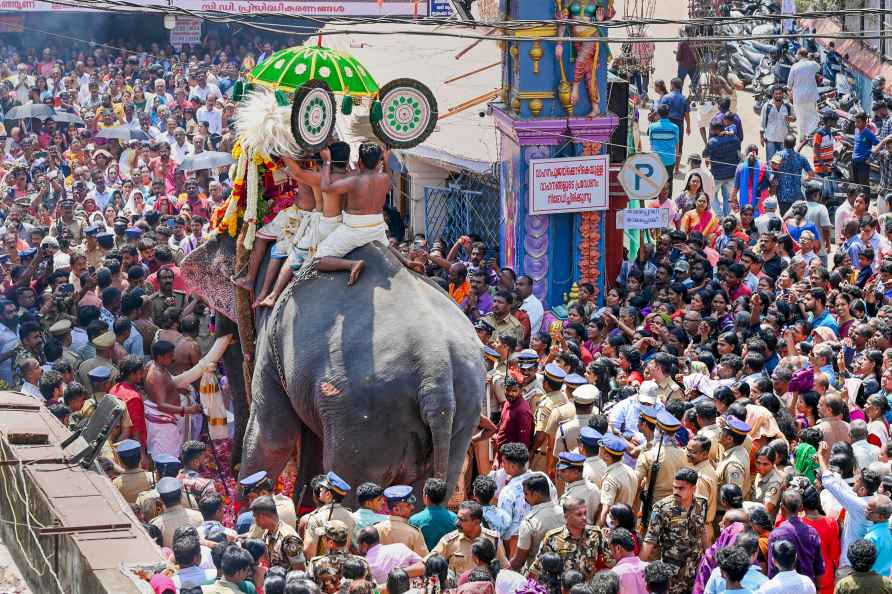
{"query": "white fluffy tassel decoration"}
(265, 126)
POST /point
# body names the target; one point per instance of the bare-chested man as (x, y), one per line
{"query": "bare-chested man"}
(364, 195)
(164, 413)
(332, 205)
(284, 231)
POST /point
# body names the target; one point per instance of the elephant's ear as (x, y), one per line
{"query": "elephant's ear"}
(207, 270)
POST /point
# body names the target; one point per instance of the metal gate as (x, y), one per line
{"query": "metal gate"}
(456, 210)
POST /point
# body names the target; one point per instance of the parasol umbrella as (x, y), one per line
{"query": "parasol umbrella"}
(122, 133)
(290, 68)
(206, 160)
(31, 110)
(65, 117)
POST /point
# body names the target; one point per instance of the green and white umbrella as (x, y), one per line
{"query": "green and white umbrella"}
(290, 68)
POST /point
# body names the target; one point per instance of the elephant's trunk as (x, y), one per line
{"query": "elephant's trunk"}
(437, 406)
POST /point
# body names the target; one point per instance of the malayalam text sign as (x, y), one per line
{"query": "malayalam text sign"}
(569, 184)
(295, 7)
(186, 32)
(642, 218)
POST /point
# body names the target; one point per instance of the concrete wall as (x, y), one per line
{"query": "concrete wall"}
(38, 491)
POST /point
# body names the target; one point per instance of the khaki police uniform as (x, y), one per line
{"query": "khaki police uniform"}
(508, 325)
(582, 489)
(707, 487)
(455, 547)
(541, 415)
(221, 586)
(767, 489)
(712, 433)
(620, 485)
(132, 482)
(397, 529)
(593, 470)
(173, 518)
(734, 468)
(672, 459)
(540, 520)
(149, 503)
(567, 438)
(316, 525)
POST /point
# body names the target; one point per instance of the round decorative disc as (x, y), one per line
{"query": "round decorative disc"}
(313, 115)
(409, 113)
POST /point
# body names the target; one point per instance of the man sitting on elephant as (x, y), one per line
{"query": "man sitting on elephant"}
(363, 221)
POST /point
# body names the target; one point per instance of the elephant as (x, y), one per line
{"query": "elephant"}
(381, 381)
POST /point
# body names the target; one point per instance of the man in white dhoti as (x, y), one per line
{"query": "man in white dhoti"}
(363, 220)
(803, 86)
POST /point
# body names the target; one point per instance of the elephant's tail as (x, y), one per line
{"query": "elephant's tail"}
(436, 397)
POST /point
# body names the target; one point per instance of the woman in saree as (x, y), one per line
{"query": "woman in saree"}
(701, 219)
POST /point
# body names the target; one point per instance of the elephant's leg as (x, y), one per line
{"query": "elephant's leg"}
(273, 426)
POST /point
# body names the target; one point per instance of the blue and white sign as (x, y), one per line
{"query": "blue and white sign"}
(643, 176)
(642, 218)
(441, 9)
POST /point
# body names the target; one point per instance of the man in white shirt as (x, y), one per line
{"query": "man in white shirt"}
(787, 580)
(181, 148)
(804, 88)
(775, 122)
(211, 114)
(865, 452)
(31, 372)
(203, 89)
(531, 303)
(169, 134)
(161, 91)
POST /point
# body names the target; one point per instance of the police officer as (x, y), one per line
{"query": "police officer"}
(396, 527)
(134, 480)
(620, 485)
(584, 398)
(335, 537)
(92, 252)
(283, 545)
(174, 515)
(569, 469)
(456, 546)
(581, 546)
(528, 363)
(106, 241)
(552, 382)
(259, 485)
(61, 331)
(544, 515)
(677, 527)
(331, 492)
(594, 467)
(148, 501)
(671, 457)
(564, 414)
(707, 480)
(734, 465)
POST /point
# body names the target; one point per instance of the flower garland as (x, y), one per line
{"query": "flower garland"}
(247, 201)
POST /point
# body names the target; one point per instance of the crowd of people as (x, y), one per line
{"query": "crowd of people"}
(716, 421)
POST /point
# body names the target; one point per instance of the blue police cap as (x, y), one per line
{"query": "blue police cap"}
(335, 483)
(244, 521)
(555, 373)
(133, 232)
(166, 463)
(92, 230)
(667, 422)
(398, 493)
(590, 436)
(482, 324)
(570, 460)
(735, 425)
(648, 413)
(168, 486)
(252, 480)
(574, 379)
(490, 353)
(128, 447)
(106, 237)
(99, 374)
(28, 253)
(614, 444)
